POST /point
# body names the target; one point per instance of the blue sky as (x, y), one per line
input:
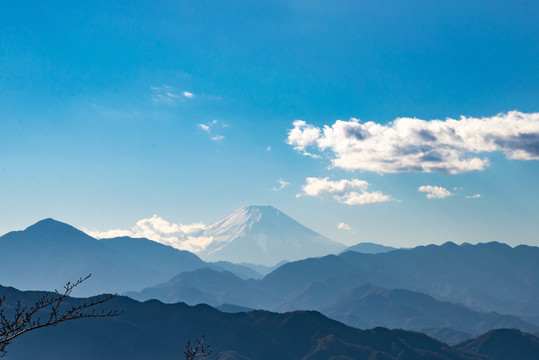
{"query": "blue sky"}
(102, 102)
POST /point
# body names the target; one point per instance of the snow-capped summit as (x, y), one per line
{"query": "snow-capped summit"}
(264, 235)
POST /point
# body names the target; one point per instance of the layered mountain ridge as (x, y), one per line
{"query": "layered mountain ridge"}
(153, 330)
(448, 291)
(49, 253)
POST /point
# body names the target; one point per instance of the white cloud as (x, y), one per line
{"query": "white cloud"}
(204, 127)
(476, 196)
(282, 185)
(344, 226)
(180, 236)
(172, 95)
(349, 192)
(435, 192)
(167, 94)
(414, 145)
(209, 127)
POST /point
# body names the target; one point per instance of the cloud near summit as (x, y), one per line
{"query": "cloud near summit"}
(414, 145)
(180, 236)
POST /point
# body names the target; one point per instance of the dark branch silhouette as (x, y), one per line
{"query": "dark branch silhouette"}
(200, 350)
(48, 311)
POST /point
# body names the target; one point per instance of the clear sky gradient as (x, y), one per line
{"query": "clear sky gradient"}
(112, 111)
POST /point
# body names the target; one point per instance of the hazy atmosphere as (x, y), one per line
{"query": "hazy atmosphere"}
(118, 112)
(269, 180)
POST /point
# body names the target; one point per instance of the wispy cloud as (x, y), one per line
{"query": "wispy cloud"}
(414, 145)
(210, 129)
(181, 236)
(344, 226)
(188, 95)
(476, 196)
(204, 127)
(435, 192)
(168, 95)
(349, 192)
(282, 185)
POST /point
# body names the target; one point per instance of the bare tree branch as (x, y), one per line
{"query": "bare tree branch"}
(26, 318)
(200, 350)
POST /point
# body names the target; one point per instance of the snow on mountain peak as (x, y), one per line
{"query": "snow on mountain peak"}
(264, 235)
(237, 223)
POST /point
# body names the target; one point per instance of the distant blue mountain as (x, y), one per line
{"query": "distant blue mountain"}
(369, 306)
(484, 277)
(168, 260)
(369, 248)
(209, 287)
(264, 235)
(428, 278)
(49, 253)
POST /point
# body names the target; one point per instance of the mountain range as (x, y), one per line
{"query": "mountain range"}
(451, 292)
(485, 277)
(153, 330)
(49, 253)
(369, 248)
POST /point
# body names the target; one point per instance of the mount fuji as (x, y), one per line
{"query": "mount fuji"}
(264, 235)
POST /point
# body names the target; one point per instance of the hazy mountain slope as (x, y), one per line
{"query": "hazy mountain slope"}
(369, 248)
(210, 287)
(292, 277)
(370, 306)
(240, 270)
(154, 330)
(167, 260)
(365, 306)
(503, 344)
(264, 235)
(154, 255)
(263, 269)
(49, 253)
(486, 277)
(446, 335)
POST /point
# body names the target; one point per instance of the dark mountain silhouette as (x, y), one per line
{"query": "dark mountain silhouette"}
(369, 248)
(503, 344)
(264, 235)
(229, 308)
(153, 330)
